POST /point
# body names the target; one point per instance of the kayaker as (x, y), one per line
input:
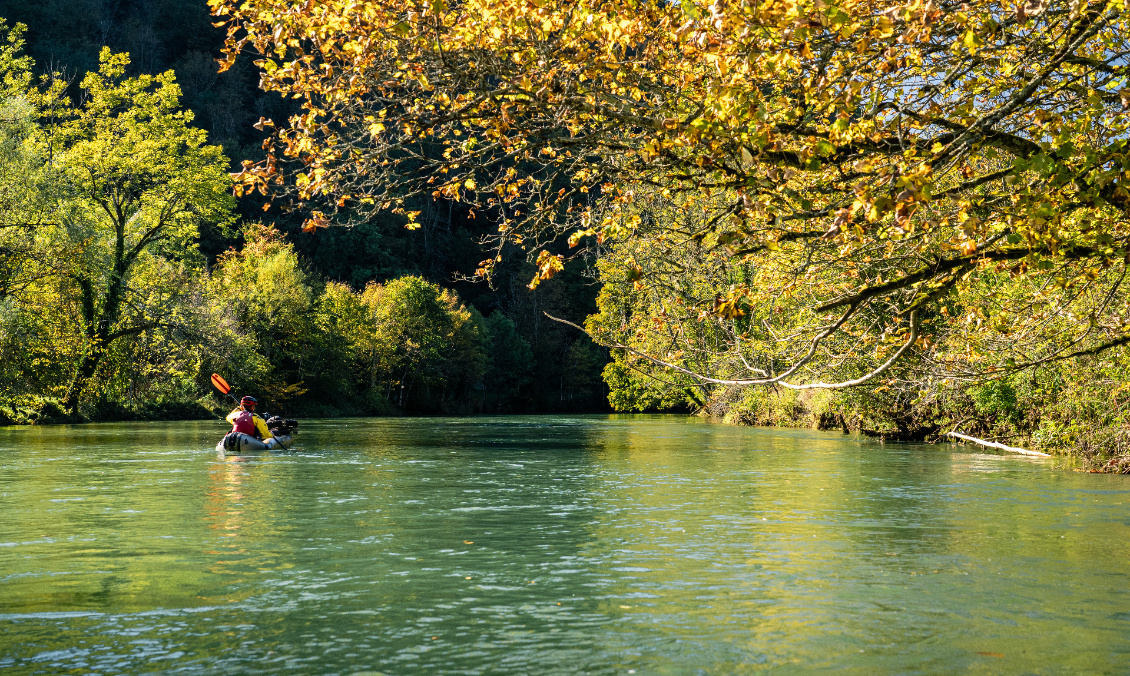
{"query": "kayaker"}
(245, 420)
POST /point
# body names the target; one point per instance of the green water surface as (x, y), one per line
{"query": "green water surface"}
(552, 545)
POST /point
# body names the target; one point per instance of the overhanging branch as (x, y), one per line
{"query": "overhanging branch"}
(911, 339)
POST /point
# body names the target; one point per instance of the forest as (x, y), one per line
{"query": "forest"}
(902, 219)
(120, 295)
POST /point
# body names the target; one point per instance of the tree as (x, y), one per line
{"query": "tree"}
(142, 180)
(428, 350)
(345, 337)
(271, 302)
(930, 178)
(511, 364)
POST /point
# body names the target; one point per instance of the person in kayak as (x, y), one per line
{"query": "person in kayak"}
(245, 420)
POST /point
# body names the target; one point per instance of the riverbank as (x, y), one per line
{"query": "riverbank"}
(1082, 416)
(1078, 410)
(34, 410)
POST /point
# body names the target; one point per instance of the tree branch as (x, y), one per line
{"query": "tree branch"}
(778, 380)
(993, 444)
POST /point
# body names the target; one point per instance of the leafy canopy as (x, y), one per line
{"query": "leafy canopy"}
(879, 165)
(140, 179)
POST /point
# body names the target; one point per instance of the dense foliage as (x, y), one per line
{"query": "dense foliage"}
(870, 161)
(109, 310)
(898, 217)
(922, 196)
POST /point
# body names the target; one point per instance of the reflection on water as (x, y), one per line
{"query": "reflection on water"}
(551, 545)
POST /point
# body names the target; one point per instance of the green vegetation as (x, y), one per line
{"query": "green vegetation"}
(109, 309)
(97, 255)
(902, 220)
(1077, 406)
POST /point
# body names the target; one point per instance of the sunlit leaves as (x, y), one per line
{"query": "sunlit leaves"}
(855, 144)
(139, 179)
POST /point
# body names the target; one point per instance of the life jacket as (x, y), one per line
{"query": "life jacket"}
(244, 423)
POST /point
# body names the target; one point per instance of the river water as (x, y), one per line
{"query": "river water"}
(552, 545)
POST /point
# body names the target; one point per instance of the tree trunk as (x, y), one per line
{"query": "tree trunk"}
(100, 319)
(402, 379)
(993, 444)
(84, 371)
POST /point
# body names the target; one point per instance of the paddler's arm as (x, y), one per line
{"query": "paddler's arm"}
(261, 428)
(233, 414)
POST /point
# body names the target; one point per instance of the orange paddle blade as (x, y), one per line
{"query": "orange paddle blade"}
(220, 383)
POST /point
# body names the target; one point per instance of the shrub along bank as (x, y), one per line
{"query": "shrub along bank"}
(303, 345)
(1079, 408)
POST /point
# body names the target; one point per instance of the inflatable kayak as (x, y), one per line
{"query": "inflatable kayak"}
(242, 443)
(237, 442)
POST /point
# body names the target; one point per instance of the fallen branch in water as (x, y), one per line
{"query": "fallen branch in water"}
(993, 444)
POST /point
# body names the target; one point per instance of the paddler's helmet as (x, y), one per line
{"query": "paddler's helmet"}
(248, 401)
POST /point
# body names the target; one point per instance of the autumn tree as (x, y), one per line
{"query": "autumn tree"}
(930, 178)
